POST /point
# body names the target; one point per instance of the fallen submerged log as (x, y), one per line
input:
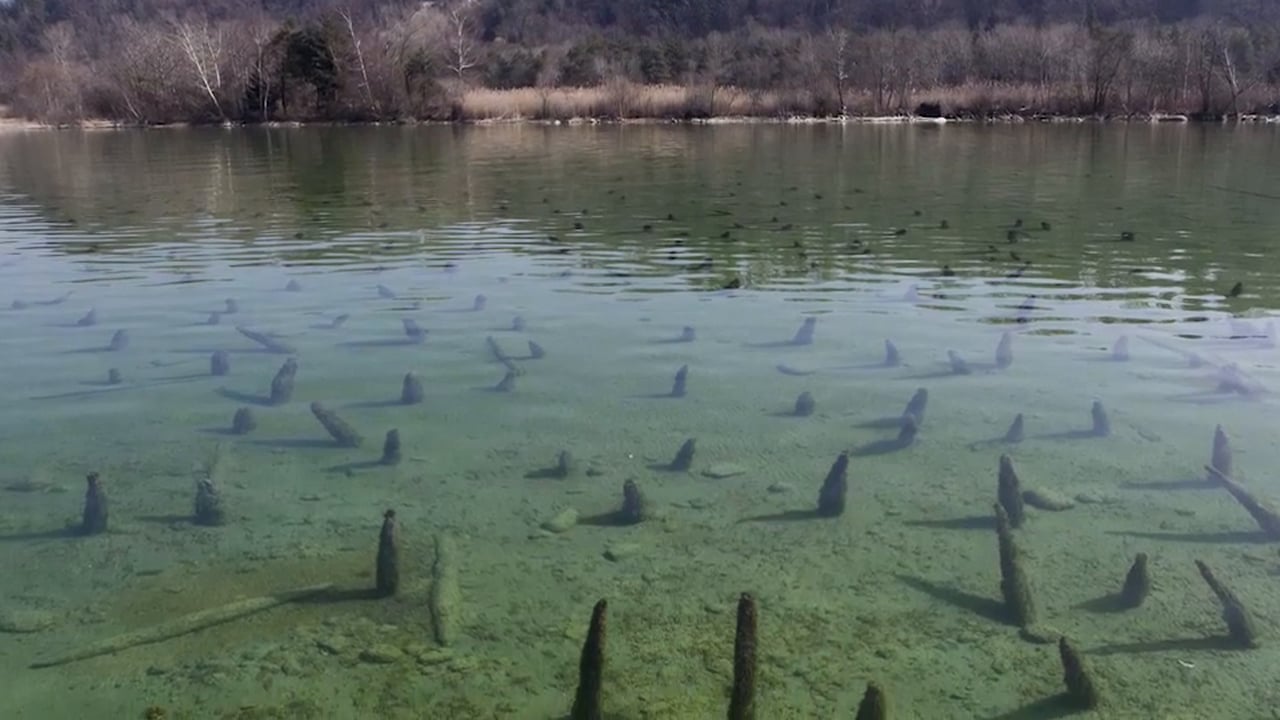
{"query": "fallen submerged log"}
(268, 343)
(1263, 514)
(185, 625)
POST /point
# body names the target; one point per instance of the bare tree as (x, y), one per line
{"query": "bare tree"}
(1245, 57)
(1202, 62)
(887, 68)
(202, 47)
(715, 62)
(548, 74)
(143, 72)
(61, 88)
(403, 56)
(755, 67)
(1153, 74)
(1108, 51)
(1232, 77)
(461, 52)
(360, 63)
(619, 92)
(841, 61)
(261, 34)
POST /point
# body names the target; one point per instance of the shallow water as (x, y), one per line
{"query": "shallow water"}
(606, 242)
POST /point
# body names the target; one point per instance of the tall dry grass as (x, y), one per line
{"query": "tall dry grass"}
(615, 101)
(625, 101)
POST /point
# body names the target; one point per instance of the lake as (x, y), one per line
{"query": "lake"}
(545, 285)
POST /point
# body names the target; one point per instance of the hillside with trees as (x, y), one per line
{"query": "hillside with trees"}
(161, 61)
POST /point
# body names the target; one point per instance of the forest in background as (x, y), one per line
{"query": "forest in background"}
(212, 61)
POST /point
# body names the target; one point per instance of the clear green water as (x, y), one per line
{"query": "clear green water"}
(155, 230)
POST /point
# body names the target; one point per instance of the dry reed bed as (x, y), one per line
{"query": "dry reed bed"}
(623, 100)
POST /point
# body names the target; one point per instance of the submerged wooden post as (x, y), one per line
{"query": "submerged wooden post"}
(94, 519)
(387, 567)
(587, 702)
(742, 703)
(831, 497)
(1019, 608)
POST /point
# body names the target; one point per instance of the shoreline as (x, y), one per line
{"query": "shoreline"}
(10, 123)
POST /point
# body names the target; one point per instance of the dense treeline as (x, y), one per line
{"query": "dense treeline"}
(153, 61)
